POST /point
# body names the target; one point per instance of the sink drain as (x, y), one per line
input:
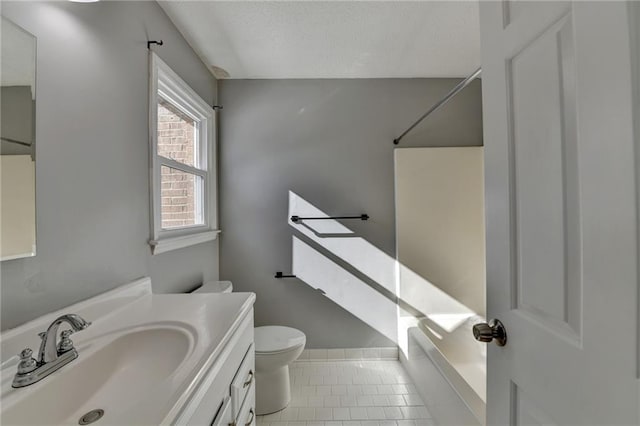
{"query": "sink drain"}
(91, 416)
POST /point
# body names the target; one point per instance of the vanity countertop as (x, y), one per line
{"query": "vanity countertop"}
(190, 328)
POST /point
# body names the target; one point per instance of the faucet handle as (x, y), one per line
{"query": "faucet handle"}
(27, 363)
(65, 344)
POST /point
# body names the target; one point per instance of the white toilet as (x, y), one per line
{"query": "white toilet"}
(276, 348)
(215, 287)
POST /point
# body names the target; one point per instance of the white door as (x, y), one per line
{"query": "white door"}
(562, 230)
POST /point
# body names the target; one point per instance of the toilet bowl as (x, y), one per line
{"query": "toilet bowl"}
(276, 348)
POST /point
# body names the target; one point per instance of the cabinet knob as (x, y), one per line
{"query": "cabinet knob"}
(253, 415)
(249, 379)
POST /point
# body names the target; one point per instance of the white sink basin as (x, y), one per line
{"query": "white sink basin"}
(142, 360)
(113, 377)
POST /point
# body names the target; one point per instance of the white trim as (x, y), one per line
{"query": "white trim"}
(173, 164)
(163, 81)
(173, 243)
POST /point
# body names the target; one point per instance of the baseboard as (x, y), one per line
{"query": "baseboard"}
(348, 354)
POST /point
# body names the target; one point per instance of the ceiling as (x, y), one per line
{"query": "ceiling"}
(331, 39)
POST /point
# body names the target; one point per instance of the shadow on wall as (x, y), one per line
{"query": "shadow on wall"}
(365, 281)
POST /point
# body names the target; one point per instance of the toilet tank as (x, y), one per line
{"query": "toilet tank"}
(215, 287)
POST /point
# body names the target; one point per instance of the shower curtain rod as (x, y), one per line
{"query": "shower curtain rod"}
(464, 83)
(15, 141)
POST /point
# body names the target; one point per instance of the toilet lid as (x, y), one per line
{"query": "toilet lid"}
(275, 338)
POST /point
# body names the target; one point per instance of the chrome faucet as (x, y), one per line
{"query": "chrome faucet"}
(52, 355)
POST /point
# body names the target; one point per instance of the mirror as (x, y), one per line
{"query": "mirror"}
(17, 149)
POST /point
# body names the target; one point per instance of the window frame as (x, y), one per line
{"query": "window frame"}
(165, 84)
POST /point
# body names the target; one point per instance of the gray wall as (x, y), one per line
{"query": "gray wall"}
(92, 169)
(330, 141)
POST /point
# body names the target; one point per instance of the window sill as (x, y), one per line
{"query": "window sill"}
(174, 243)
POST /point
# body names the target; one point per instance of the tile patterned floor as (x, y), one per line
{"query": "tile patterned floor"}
(350, 393)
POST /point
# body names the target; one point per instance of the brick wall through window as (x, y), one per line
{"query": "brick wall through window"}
(177, 140)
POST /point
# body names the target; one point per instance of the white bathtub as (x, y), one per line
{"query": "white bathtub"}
(449, 371)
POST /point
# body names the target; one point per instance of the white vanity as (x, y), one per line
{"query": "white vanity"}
(147, 359)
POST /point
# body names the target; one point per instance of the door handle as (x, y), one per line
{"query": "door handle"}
(495, 330)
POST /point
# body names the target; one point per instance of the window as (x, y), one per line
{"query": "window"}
(183, 186)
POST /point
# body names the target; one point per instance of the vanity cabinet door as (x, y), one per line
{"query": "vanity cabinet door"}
(215, 386)
(225, 414)
(243, 381)
(247, 416)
